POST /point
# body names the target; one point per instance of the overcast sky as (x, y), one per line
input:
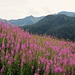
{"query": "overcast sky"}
(14, 9)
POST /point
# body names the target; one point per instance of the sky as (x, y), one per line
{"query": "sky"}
(15, 9)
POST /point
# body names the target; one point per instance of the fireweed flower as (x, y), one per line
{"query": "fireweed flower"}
(2, 70)
(58, 69)
(7, 45)
(6, 57)
(32, 67)
(36, 74)
(2, 51)
(23, 46)
(23, 60)
(9, 62)
(12, 53)
(3, 45)
(38, 69)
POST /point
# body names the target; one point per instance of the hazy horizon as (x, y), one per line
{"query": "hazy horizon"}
(15, 9)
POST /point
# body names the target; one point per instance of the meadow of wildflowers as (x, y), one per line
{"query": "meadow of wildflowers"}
(22, 53)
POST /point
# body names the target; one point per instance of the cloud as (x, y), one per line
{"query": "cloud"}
(20, 8)
(33, 12)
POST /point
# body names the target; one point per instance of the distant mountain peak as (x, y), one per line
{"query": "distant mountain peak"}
(71, 14)
(31, 16)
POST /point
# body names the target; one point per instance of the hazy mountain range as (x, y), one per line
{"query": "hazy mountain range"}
(29, 20)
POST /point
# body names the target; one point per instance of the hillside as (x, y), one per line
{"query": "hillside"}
(61, 26)
(22, 53)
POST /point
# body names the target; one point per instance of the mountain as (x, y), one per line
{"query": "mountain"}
(26, 21)
(29, 20)
(4, 20)
(59, 25)
(71, 14)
